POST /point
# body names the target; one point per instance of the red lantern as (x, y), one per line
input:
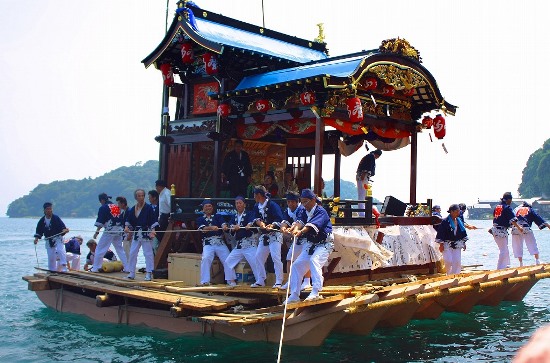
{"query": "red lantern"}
(388, 90)
(409, 93)
(210, 63)
(427, 122)
(307, 98)
(262, 106)
(439, 126)
(167, 74)
(187, 53)
(224, 110)
(355, 110)
(370, 83)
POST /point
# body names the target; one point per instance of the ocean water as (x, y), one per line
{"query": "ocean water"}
(30, 332)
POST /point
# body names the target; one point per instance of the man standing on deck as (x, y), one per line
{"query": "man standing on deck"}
(52, 228)
(526, 215)
(123, 205)
(268, 216)
(154, 202)
(320, 244)
(503, 218)
(237, 169)
(110, 218)
(365, 170)
(165, 207)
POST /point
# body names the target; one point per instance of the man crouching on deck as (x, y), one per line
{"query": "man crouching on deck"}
(317, 249)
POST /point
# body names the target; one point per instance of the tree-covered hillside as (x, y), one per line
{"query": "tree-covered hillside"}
(535, 181)
(78, 198)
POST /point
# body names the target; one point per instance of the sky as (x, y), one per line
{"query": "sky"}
(76, 102)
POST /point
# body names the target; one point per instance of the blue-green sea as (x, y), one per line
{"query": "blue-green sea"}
(30, 332)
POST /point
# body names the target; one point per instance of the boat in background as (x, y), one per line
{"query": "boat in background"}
(483, 209)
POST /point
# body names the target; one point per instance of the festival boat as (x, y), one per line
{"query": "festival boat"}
(292, 105)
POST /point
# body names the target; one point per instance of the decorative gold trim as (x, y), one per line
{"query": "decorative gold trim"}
(321, 36)
(398, 77)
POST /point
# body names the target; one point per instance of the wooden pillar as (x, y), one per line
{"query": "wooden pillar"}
(163, 147)
(337, 164)
(319, 144)
(414, 160)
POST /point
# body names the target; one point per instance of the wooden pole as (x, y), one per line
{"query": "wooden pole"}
(337, 164)
(414, 160)
(319, 143)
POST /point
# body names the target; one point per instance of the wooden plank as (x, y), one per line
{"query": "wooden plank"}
(37, 284)
(141, 294)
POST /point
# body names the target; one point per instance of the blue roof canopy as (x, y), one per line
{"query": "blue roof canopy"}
(344, 67)
(243, 39)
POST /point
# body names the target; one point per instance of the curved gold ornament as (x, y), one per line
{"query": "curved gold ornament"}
(399, 78)
(321, 37)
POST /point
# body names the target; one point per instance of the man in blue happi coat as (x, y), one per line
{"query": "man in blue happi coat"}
(526, 216)
(52, 228)
(268, 216)
(503, 217)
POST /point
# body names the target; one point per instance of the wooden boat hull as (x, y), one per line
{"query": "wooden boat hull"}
(304, 330)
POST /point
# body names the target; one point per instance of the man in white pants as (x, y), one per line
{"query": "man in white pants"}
(246, 240)
(212, 243)
(315, 253)
(503, 217)
(72, 249)
(52, 228)
(110, 218)
(268, 216)
(526, 215)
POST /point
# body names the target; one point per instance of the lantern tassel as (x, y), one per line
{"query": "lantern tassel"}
(430, 135)
(444, 148)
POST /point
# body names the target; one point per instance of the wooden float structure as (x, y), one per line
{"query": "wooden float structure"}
(217, 72)
(252, 314)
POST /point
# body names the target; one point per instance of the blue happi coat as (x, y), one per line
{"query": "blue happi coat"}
(503, 216)
(109, 216)
(319, 222)
(142, 224)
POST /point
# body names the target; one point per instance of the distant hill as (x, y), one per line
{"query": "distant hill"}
(78, 198)
(535, 181)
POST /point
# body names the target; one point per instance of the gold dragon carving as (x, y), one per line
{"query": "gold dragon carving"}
(397, 77)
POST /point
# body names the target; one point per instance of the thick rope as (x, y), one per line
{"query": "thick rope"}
(286, 300)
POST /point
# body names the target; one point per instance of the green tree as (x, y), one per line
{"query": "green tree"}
(535, 180)
(78, 198)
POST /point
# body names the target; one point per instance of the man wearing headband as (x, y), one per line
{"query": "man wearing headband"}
(268, 216)
(294, 219)
(110, 218)
(210, 224)
(318, 231)
(52, 228)
(503, 217)
(451, 236)
(526, 215)
(247, 240)
(365, 170)
(236, 169)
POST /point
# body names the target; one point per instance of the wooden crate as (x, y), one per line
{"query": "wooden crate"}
(186, 267)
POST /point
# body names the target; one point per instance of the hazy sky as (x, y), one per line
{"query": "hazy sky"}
(77, 102)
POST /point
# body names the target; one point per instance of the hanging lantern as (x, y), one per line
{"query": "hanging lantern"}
(187, 53)
(355, 109)
(388, 90)
(224, 110)
(409, 92)
(262, 106)
(167, 74)
(427, 122)
(439, 127)
(370, 83)
(210, 63)
(307, 98)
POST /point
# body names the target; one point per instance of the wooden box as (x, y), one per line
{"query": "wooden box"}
(186, 267)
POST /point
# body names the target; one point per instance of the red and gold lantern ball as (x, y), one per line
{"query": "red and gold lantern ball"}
(224, 110)
(427, 122)
(388, 90)
(370, 83)
(307, 98)
(262, 105)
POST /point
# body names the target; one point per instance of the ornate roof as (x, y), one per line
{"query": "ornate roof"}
(221, 34)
